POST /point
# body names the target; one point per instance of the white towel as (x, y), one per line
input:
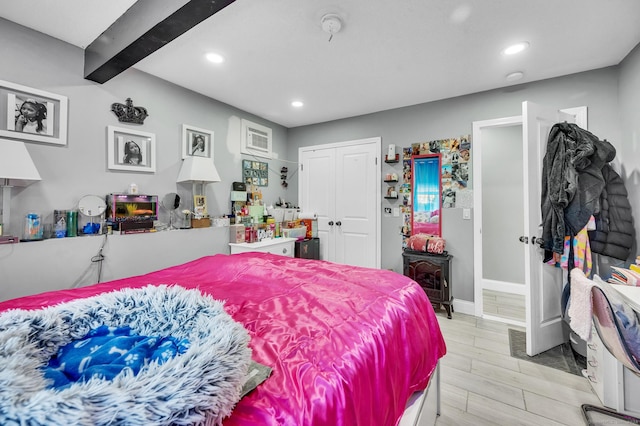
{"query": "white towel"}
(580, 304)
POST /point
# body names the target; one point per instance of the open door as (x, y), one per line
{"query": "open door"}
(541, 284)
(544, 283)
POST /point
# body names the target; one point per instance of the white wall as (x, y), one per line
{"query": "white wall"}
(80, 168)
(70, 172)
(598, 90)
(55, 264)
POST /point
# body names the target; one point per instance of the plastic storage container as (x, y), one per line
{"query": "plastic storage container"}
(300, 232)
(33, 228)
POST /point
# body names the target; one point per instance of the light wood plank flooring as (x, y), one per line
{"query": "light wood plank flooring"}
(481, 384)
(504, 305)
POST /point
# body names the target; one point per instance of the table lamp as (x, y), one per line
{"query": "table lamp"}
(16, 169)
(198, 170)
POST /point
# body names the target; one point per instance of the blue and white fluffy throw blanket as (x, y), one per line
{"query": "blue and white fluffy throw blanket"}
(106, 351)
(199, 384)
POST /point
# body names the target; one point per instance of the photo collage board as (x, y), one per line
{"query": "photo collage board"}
(255, 173)
(456, 160)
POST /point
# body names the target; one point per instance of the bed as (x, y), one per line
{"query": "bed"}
(346, 345)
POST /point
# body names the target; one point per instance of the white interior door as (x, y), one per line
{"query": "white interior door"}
(341, 183)
(543, 284)
(316, 193)
(357, 201)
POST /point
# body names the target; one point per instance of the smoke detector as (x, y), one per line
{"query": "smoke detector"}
(331, 23)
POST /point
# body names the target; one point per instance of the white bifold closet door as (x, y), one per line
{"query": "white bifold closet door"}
(340, 182)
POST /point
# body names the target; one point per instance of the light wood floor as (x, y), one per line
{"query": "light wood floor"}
(481, 384)
(504, 305)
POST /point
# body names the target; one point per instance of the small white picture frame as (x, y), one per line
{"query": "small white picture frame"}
(196, 142)
(131, 150)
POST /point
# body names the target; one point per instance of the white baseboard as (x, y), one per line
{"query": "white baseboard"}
(464, 307)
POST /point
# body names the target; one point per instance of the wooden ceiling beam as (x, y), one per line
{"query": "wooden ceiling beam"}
(140, 31)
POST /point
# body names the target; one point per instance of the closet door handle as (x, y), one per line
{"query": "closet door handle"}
(330, 223)
(524, 239)
(339, 223)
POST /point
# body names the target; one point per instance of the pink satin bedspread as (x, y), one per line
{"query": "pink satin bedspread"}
(347, 345)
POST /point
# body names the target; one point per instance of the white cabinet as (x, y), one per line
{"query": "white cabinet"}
(615, 385)
(281, 246)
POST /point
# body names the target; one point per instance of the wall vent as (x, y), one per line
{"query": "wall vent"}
(256, 139)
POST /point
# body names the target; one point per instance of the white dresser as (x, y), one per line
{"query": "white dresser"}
(281, 246)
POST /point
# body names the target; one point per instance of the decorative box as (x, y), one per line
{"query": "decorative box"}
(201, 223)
(236, 233)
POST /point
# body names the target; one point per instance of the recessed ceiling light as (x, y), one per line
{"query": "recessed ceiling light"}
(515, 76)
(297, 104)
(215, 58)
(516, 48)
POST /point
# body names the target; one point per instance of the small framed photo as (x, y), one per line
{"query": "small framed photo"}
(32, 115)
(196, 142)
(200, 205)
(131, 150)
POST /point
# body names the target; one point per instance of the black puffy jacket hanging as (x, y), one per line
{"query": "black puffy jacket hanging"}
(614, 234)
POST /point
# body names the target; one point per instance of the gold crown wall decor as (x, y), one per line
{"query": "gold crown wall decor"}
(129, 113)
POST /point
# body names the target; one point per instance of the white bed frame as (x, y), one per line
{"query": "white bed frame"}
(423, 407)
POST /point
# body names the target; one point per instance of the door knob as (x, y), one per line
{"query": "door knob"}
(330, 223)
(339, 223)
(538, 241)
(524, 239)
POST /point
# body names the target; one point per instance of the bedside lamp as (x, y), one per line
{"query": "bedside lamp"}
(198, 170)
(16, 169)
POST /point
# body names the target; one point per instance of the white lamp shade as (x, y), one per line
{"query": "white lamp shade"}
(16, 165)
(198, 169)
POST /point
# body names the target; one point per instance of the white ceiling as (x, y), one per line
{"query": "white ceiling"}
(387, 55)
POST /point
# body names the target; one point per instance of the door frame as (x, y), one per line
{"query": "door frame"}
(377, 141)
(479, 283)
(580, 114)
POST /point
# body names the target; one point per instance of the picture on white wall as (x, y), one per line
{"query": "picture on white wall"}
(131, 150)
(196, 142)
(456, 157)
(32, 115)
